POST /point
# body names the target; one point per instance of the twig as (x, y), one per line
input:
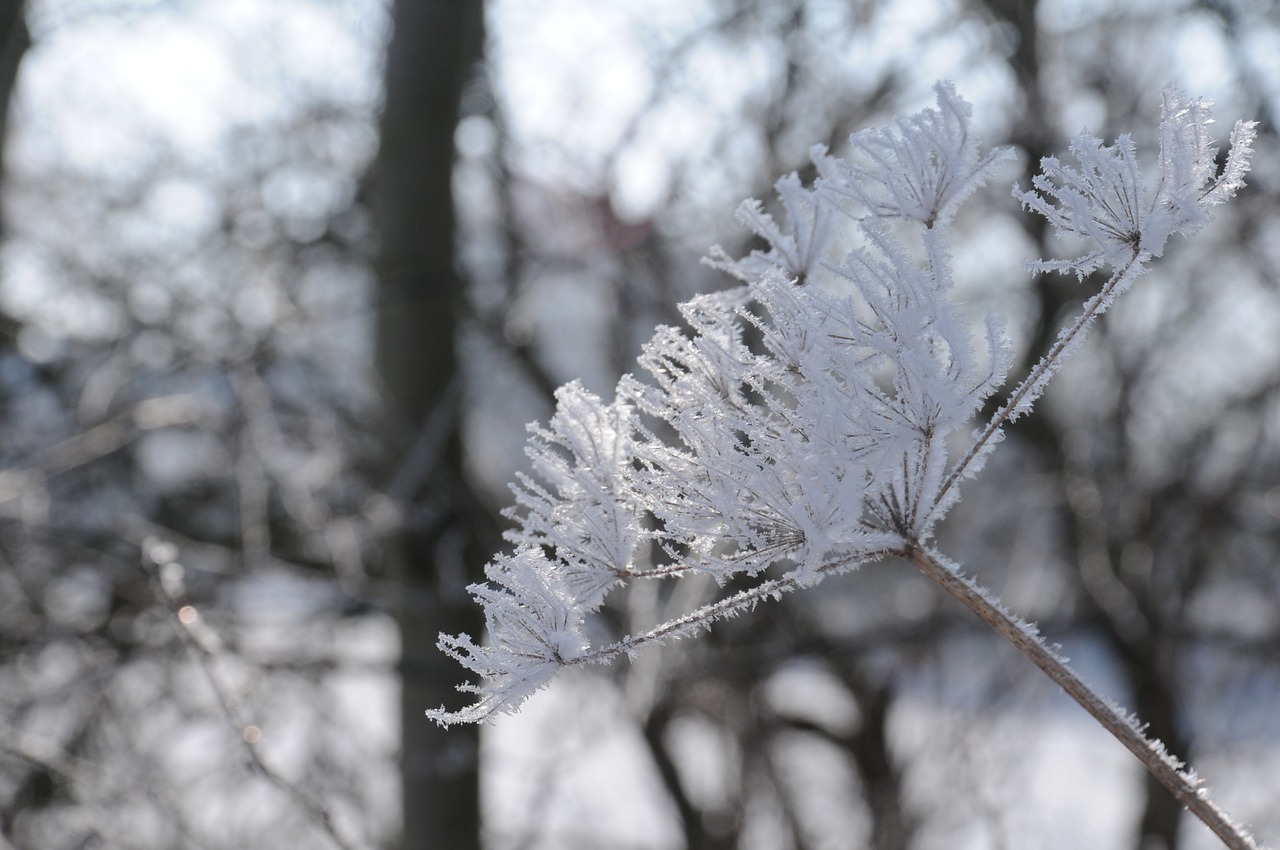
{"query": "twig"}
(38, 752)
(1034, 383)
(1184, 785)
(185, 620)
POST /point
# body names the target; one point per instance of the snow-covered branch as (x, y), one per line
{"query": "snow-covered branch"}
(1102, 202)
(798, 425)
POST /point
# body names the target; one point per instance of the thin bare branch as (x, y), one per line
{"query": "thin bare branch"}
(1183, 784)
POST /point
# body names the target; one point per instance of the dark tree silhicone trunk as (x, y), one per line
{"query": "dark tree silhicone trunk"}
(434, 47)
(15, 38)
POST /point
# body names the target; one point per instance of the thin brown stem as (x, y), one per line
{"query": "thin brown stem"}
(1160, 763)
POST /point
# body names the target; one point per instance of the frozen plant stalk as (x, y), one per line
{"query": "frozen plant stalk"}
(823, 444)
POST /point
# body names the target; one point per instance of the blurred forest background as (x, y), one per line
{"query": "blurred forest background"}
(281, 281)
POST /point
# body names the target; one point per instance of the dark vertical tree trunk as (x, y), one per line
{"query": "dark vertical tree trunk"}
(15, 38)
(434, 48)
(891, 824)
(1158, 705)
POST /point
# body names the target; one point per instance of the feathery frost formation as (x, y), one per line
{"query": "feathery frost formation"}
(798, 425)
(1105, 202)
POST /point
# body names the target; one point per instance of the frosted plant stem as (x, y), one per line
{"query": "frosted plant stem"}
(1033, 385)
(1182, 784)
(689, 624)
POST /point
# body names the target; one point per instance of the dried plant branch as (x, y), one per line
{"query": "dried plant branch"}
(1183, 784)
(822, 444)
(1033, 385)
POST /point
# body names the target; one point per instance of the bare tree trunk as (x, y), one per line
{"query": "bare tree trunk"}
(15, 38)
(433, 50)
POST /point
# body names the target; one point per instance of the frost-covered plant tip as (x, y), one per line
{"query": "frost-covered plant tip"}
(799, 425)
